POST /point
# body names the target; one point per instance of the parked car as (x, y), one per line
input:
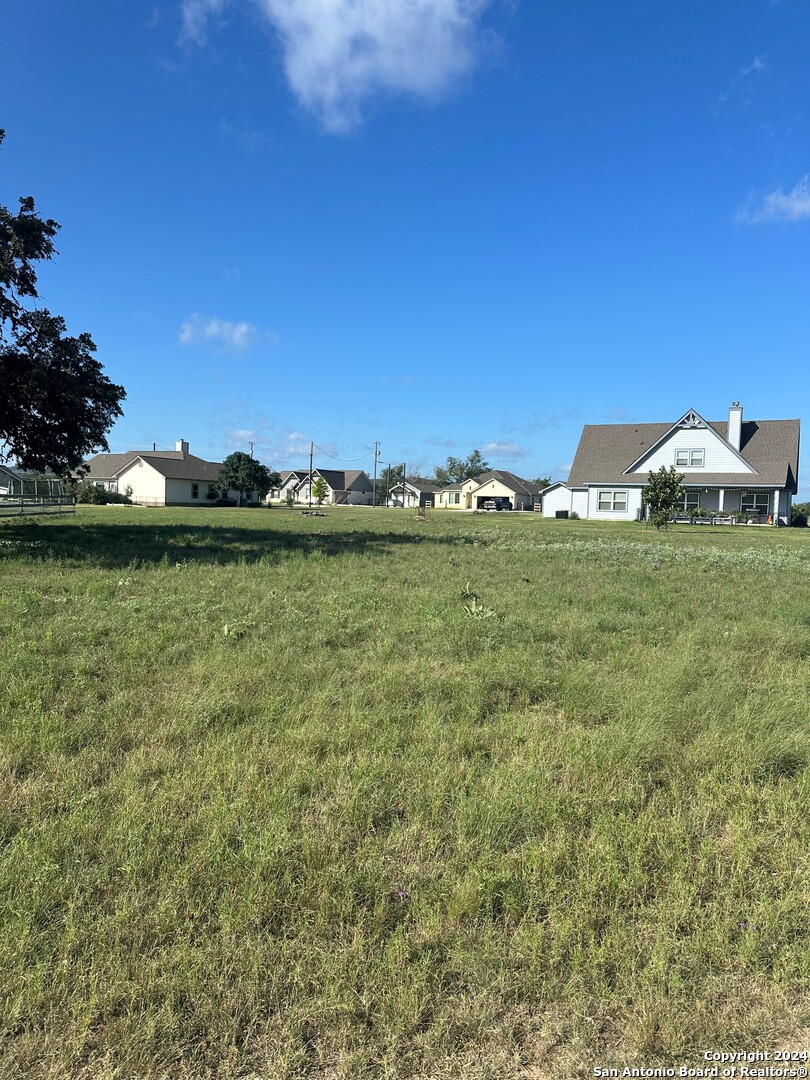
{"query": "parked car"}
(492, 504)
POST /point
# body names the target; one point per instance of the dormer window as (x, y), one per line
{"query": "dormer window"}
(689, 459)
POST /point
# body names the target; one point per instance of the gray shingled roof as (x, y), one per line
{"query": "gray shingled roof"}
(173, 464)
(107, 466)
(184, 467)
(769, 446)
(337, 479)
(417, 485)
(510, 480)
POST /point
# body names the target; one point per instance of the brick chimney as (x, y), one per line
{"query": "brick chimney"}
(735, 424)
(181, 446)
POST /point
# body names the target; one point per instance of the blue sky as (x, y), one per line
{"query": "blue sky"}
(442, 224)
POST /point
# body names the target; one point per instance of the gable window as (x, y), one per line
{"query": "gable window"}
(691, 502)
(612, 500)
(195, 491)
(755, 502)
(690, 459)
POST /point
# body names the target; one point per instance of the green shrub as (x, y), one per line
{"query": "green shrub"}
(88, 492)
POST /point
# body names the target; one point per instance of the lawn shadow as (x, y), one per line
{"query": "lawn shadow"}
(117, 545)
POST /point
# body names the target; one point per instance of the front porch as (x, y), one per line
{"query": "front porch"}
(733, 506)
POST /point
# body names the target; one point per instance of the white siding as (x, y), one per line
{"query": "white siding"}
(179, 491)
(633, 504)
(558, 499)
(147, 483)
(579, 502)
(718, 458)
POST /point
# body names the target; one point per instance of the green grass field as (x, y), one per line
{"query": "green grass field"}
(361, 796)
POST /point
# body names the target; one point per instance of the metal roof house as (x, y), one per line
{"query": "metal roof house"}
(731, 466)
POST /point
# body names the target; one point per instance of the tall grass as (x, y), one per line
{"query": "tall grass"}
(279, 800)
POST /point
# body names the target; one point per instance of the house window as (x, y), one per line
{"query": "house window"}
(455, 497)
(195, 491)
(689, 459)
(691, 502)
(755, 502)
(612, 500)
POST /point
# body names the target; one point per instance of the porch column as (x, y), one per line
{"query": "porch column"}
(720, 498)
(775, 511)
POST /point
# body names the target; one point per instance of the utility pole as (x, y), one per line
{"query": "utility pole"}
(387, 481)
(374, 488)
(403, 485)
(311, 448)
(250, 444)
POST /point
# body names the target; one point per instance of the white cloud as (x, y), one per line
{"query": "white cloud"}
(238, 438)
(507, 450)
(337, 54)
(201, 330)
(756, 66)
(196, 15)
(779, 205)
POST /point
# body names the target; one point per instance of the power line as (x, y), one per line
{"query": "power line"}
(335, 457)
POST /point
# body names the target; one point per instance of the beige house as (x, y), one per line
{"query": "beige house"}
(493, 490)
(158, 477)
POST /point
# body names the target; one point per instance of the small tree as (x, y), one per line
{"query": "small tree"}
(240, 472)
(320, 489)
(662, 495)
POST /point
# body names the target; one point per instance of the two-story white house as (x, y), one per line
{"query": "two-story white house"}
(729, 466)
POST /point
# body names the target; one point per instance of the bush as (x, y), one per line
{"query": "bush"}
(798, 518)
(88, 492)
(573, 516)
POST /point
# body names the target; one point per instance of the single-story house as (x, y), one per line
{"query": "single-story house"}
(496, 489)
(729, 466)
(412, 493)
(159, 477)
(348, 487)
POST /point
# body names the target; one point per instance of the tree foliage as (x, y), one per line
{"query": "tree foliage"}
(662, 495)
(541, 481)
(56, 404)
(457, 470)
(320, 489)
(240, 472)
